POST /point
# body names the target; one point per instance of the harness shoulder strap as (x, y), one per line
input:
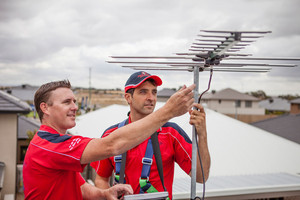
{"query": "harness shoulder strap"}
(120, 161)
(158, 159)
(152, 147)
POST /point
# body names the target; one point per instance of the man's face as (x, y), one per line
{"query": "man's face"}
(62, 109)
(144, 98)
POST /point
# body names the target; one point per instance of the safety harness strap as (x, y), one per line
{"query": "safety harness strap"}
(120, 161)
(157, 154)
(152, 148)
(147, 162)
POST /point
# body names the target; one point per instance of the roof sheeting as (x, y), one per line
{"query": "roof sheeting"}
(244, 185)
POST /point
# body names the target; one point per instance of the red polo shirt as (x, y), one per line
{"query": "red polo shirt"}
(175, 146)
(51, 168)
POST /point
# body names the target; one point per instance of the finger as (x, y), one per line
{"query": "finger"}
(189, 89)
(183, 87)
(128, 189)
(190, 103)
(193, 120)
(199, 106)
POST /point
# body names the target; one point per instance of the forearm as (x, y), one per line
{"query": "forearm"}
(101, 182)
(205, 158)
(90, 192)
(126, 137)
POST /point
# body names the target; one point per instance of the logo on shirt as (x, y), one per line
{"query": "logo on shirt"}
(74, 142)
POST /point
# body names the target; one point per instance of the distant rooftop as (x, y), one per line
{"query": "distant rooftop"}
(165, 92)
(11, 104)
(230, 94)
(286, 126)
(24, 92)
(296, 101)
(26, 124)
(275, 104)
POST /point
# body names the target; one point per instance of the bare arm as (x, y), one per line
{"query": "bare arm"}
(91, 192)
(134, 133)
(102, 182)
(198, 119)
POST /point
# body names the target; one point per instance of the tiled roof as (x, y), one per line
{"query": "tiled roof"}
(23, 92)
(166, 92)
(286, 126)
(230, 94)
(275, 104)
(296, 101)
(11, 104)
(26, 124)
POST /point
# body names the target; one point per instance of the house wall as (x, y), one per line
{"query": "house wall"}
(228, 107)
(8, 151)
(251, 118)
(295, 108)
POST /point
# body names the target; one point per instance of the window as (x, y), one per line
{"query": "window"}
(238, 103)
(248, 104)
(23, 152)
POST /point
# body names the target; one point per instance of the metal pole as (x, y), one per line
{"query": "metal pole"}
(194, 139)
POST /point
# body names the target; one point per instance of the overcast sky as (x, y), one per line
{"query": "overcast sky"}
(44, 41)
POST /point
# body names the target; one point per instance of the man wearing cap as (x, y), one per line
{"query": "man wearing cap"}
(174, 143)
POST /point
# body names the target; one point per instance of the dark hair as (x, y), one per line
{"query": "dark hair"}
(44, 92)
(131, 90)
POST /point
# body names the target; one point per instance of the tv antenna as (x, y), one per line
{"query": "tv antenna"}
(208, 53)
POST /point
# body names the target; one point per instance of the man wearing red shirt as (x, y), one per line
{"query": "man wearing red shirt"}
(174, 144)
(55, 159)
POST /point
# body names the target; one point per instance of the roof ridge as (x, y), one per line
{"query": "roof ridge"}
(14, 100)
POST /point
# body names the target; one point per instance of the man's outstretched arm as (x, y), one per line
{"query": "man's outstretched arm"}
(134, 133)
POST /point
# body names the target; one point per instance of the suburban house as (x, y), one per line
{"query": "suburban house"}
(229, 101)
(275, 105)
(25, 125)
(295, 106)
(164, 94)
(10, 108)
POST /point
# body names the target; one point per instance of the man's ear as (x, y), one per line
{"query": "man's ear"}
(128, 98)
(44, 107)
